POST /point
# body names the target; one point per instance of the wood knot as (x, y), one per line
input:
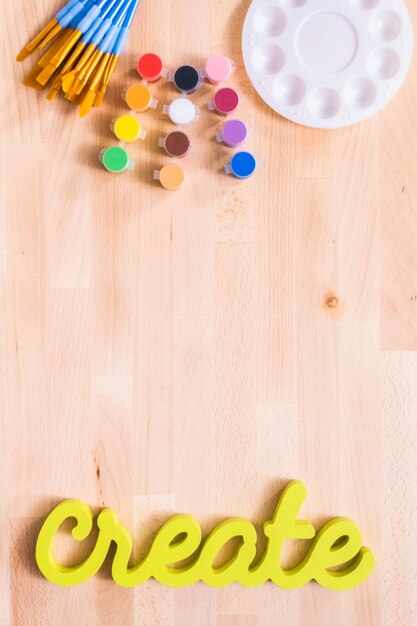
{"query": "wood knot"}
(332, 302)
(334, 305)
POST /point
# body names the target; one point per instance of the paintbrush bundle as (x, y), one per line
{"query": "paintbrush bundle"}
(81, 45)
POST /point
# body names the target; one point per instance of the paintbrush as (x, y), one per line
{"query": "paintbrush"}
(85, 41)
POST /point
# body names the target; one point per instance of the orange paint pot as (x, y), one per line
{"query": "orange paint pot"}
(138, 98)
(171, 176)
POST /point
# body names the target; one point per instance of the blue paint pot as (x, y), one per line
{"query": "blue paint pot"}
(242, 165)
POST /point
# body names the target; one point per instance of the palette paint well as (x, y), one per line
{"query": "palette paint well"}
(327, 63)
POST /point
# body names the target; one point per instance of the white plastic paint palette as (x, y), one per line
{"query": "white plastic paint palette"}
(327, 63)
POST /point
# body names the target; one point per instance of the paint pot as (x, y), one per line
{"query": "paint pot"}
(225, 101)
(177, 144)
(233, 134)
(127, 128)
(150, 67)
(181, 111)
(116, 160)
(139, 98)
(217, 69)
(243, 165)
(186, 79)
(171, 176)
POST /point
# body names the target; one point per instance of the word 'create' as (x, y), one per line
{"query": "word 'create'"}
(336, 558)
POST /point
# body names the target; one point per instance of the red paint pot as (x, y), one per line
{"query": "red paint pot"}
(150, 67)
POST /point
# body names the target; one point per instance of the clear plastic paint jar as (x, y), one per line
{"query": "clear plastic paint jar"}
(176, 144)
(218, 69)
(116, 160)
(150, 67)
(138, 98)
(234, 133)
(127, 128)
(186, 79)
(171, 176)
(225, 101)
(242, 165)
(182, 111)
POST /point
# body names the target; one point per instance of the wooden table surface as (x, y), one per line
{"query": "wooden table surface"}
(193, 351)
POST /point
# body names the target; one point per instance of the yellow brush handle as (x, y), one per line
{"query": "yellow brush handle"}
(47, 57)
(99, 73)
(54, 32)
(73, 58)
(90, 96)
(30, 79)
(30, 47)
(108, 71)
(90, 50)
(66, 48)
(89, 68)
(80, 79)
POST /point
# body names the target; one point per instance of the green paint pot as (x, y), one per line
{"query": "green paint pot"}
(116, 160)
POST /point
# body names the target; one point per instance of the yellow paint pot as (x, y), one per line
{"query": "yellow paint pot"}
(127, 128)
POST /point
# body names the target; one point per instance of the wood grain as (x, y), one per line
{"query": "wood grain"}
(192, 352)
(398, 167)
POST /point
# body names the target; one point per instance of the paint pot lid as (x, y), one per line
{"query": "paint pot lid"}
(226, 100)
(150, 66)
(234, 132)
(182, 111)
(218, 68)
(172, 176)
(177, 144)
(186, 78)
(115, 159)
(243, 164)
(126, 128)
(138, 97)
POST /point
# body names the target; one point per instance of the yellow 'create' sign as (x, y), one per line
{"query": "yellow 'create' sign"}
(336, 558)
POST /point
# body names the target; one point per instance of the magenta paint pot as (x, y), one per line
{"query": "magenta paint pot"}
(225, 101)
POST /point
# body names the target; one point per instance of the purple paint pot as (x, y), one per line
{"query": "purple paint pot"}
(233, 134)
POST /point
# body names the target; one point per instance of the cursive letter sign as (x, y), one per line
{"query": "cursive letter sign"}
(335, 559)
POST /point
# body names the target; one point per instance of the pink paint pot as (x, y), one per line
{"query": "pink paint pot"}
(218, 69)
(225, 101)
